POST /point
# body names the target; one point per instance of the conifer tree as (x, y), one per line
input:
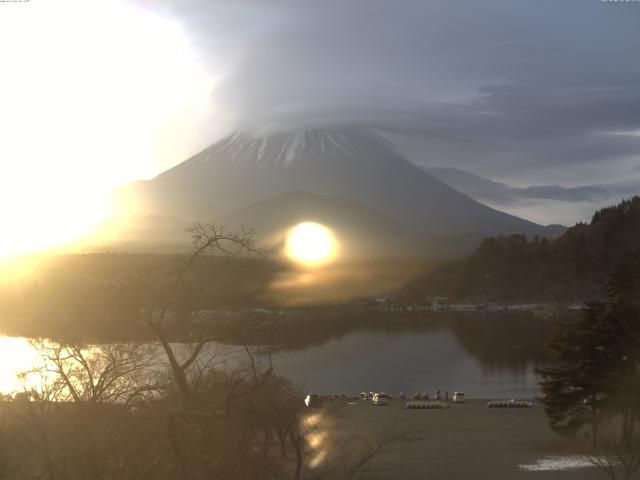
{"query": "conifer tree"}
(575, 384)
(594, 370)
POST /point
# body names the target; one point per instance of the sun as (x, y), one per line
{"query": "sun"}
(311, 244)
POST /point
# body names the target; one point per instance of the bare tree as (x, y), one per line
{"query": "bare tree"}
(326, 451)
(208, 240)
(616, 456)
(204, 393)
(73, 415)
(351, 457)
(89, 374)
(204, 417)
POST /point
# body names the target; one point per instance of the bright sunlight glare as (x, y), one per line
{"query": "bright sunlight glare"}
(90, 91)
(311, 244)
(16, 356)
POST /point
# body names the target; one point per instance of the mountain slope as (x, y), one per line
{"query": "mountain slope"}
(240, 170)
(360, 231)
(473, 185)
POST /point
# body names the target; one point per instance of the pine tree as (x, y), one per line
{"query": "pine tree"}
(623, 314)
(576, 385)
(594, 370)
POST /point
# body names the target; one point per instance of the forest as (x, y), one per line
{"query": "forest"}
(570, 268)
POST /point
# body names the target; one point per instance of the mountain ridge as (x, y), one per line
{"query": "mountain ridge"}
(240, 170)
(485, 189)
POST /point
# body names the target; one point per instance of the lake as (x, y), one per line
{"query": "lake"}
(490, 355)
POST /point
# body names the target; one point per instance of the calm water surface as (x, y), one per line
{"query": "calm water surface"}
(378, 361)
(486, 356)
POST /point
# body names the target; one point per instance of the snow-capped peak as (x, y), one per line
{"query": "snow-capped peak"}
(282, 149)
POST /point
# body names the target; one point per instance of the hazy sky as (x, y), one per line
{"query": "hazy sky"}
(530, 93)
(533, 92)
(108, 91)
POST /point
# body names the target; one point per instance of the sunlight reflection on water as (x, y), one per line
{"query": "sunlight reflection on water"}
(16, 356)
(19, 356)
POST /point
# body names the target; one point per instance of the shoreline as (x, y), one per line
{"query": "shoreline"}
(464, 441)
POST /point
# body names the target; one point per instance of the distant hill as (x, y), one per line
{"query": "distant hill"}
(571, 267)
(361, 231)
(497, 193)
(546, 203)
(240, 171)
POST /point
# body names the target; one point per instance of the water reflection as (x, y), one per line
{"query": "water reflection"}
(490, 355)
(496, 340)
(503, 342)
(16, 356)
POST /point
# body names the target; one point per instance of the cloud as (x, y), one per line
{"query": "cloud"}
(541, 203)
(513, 88)
(590, 193)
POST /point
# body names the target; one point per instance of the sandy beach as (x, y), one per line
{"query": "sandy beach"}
(465, 441)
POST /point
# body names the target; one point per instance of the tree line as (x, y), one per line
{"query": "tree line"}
(570, 268)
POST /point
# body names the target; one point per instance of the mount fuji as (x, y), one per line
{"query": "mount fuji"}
(234, 177)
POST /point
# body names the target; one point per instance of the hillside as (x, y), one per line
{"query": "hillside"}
(571, 267)
(360, 231)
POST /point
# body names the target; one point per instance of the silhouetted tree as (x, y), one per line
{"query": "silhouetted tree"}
(615, 457)
(576, 383)
(211, 422)
(594, 371)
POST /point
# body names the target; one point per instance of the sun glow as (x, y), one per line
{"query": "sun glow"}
(93, 95)
(16, 356)
(311, 244)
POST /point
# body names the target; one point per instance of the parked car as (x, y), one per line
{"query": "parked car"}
(313, 401)
(458, 397)
(380, 399)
